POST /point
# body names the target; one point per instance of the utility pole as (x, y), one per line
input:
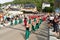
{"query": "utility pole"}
(59, 34)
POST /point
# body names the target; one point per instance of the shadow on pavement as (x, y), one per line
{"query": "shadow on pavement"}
(41, 38)
(40, 34)
(15, 28)
(22, 35)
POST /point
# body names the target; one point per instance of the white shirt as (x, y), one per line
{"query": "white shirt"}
(51, 18)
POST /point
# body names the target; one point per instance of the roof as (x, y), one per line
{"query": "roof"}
(29, 6)
(15, 4)
(14, 9)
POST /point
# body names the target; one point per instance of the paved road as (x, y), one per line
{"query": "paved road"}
(52, 35)
(17, 32)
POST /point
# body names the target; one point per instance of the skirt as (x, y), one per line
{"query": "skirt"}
(40, 21)
(37, 26)
(29, 21)
(27, 34)
(33, 29)
(16, 22)
(34, 19)
(20, 20)
(11, 23)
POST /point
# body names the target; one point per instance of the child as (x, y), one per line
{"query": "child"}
(11, 21)
(20, 20)
(33, 24)
(27, 32)
(15, 21)
(29, 20)
(40, 20)
(25, 21)
(37, 25)
(34, 19)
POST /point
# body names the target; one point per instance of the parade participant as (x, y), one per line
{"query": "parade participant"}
(55, 26)
(27, 32)
(37, 25)
(29, 20)
(25, 21)
(34, 19)
(6, 23)
(11, 21)
(8, 18)
(20, 20)
(33, 24)
(40, 20)
(15, 21)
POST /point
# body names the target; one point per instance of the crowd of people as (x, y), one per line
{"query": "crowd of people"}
(54, 22)
(32, 25)
(11, 20)
(32, 22)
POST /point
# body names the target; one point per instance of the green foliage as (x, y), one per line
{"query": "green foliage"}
(48, 9)
(51, 2)
(0, 5)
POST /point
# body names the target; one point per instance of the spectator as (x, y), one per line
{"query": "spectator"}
(55, 26)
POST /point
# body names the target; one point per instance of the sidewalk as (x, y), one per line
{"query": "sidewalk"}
(52, 35)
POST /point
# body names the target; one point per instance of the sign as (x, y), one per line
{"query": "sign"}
(45, 5)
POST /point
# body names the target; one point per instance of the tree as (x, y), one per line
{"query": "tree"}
(0, 5)
(48, 9)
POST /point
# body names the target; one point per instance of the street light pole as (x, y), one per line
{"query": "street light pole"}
(59, 34)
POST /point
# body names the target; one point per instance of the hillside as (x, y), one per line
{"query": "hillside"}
(38, 3)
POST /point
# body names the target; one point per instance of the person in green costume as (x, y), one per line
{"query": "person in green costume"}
(20, 20)
(27, 33)
(37, 25)
(33, 28)
(29, 21)
(34, 19)
(11, 21)
(40, 21)
(16, 21)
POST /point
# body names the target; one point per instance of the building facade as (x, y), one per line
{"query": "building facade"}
(57, 4)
